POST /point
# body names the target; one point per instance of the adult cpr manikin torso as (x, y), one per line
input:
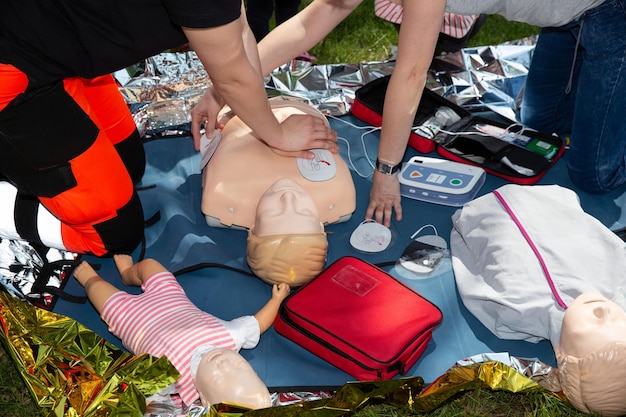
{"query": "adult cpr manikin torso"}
(243, 168)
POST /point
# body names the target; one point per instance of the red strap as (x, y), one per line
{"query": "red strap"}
(520, 226)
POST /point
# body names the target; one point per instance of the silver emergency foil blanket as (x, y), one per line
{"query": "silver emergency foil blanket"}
(162, 90)
(491, 370)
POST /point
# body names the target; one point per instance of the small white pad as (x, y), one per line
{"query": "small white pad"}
(370, 236)
(208, 147)
(320, 168)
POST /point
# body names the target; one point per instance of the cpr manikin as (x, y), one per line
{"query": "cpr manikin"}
(243, 167)
(591, 355)
(162, 321)
(287, 242)
(224, 376)
(531, 265)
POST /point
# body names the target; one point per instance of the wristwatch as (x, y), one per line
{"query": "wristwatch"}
(386, 168)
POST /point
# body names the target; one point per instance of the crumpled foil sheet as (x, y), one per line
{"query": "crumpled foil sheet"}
(404, 393)
(484, 78)
(165, 88)
(493, 375)
(71, 371)
(496, 371)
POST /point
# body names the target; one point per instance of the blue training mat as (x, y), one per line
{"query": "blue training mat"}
(172, 187)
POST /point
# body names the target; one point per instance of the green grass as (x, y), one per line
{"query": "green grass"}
(360, 38)
(483, 403)
(15, 399)
(364, 37)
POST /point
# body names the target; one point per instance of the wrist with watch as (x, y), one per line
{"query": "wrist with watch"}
(386, 168)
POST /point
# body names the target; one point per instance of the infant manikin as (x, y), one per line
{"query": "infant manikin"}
(287, 242)
(591, 355)
(224, 376)
(202, 348)
(243, 167)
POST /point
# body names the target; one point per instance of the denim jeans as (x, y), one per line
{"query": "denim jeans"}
(589, 53)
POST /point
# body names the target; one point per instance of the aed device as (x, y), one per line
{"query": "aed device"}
(440, 181)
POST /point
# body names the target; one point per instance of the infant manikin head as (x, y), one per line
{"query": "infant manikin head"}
(287, 242)
(224, 376)
(591, 355)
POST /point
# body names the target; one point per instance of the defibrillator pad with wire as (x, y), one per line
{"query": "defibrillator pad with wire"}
(502, 148)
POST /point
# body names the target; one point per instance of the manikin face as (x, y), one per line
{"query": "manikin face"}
(591, 322)
(225, 376)
(286, 208)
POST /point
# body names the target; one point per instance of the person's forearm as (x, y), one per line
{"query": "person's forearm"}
(398, 114)
(302, 31)
(416, 45)
(247, 97)
(139, 272)
(224, 54)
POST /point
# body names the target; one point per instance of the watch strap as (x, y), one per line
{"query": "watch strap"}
(386, 168)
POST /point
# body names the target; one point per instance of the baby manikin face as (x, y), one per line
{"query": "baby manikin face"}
(286, 208)
(590, 323)
(225, 376)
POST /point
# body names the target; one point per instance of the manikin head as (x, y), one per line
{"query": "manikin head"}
(286, 208)
(224, 376)
(287, 242)
(591, 355)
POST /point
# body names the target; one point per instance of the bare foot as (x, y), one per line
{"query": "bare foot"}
(83, 272)
(123, 262)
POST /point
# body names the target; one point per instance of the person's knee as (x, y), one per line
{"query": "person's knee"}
(133, 155)
(594, 180)
(124, 232)
(584, 184)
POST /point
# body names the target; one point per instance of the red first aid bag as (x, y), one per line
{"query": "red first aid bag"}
(502, 148)
(360, 319)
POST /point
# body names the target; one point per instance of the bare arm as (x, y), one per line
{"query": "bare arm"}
(421, 24)
(302, 31)
(266, 315)
(229, 55)
(224, 54)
